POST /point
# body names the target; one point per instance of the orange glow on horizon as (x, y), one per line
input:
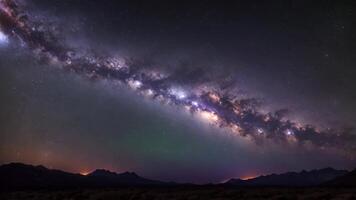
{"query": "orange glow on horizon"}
(248, 177)
(84, 173)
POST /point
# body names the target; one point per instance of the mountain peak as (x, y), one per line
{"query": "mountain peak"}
(15, 164)
(133, 174)
(107, 173)
(102, 172)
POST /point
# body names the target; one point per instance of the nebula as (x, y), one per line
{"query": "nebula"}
(185, 89)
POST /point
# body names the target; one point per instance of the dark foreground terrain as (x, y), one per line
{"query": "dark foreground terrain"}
(203, 193)
(22, 182)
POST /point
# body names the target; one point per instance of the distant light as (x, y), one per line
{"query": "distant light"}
(68, 61)
(210, 116)
(134, 84)
(214, 97)
(149, 92)
(137, 83)
(178, 93)
(289, 132)
(4, 40)
(187, 107)
(247, 177)
(236, 129)
(194, 103)
(260, 130)
(84, 173)
(181, 96)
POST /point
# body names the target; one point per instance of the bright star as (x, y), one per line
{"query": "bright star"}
(4, 40)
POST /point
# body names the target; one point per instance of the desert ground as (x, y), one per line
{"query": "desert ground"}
(191, 193)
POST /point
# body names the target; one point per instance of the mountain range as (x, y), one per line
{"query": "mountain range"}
(303, 178)
(347, 180)
(23, 176)
(18, 175)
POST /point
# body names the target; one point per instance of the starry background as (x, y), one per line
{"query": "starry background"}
(297, 55)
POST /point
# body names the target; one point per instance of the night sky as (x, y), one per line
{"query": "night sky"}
(178, 91)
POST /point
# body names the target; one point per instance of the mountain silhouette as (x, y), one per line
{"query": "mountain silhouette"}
(303, 178)
(105, 177)
(18, 175)
(23, 176)
(348, 179)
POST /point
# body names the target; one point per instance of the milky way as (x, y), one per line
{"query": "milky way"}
(207, 99)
